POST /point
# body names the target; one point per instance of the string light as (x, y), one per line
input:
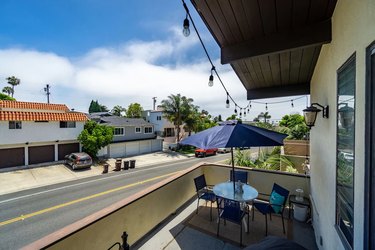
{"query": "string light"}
(244, 113)
(211, 79)
(240, 112)
(186, 32)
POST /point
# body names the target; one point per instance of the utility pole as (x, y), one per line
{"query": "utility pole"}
(46, 89)
(154, 98)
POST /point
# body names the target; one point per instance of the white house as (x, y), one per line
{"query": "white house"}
(32, 133)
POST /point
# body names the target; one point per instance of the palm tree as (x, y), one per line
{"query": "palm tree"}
(12, 80)
(191, 122)
(176, 109)
(8, 90)
(265, 116)
(118, 110)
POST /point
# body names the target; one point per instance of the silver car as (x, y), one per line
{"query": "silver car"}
(78, 160)
(223, 150)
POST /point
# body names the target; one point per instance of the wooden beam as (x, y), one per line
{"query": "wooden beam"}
(279, 91)
(316, 34)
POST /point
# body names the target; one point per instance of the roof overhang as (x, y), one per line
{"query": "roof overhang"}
(272, 45)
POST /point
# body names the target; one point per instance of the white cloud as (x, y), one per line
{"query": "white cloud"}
(133, 72)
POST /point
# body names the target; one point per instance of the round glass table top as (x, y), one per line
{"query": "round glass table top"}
(226, 190)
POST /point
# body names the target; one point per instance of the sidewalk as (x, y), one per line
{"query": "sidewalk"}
(18, 180)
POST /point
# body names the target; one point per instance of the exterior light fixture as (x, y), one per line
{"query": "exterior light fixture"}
(346, 115)
(211, 79)
(186, 29)
(311, 112)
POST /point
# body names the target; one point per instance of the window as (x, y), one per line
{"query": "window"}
(118, 131)
(158, 118)
(15, 125)
(138, 129)
(345, 151)
(148, 130)
(68, 124)
(168, 132)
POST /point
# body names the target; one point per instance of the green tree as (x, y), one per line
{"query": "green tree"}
(6, 97)
(13, 81)
(96, 107)
(118, 110)
(192, 119)
(294, 125)
(233, 117)
(292, 120)
(94, 136)
(8, 90)
(177, 109)
(134, 110)
(265, 116)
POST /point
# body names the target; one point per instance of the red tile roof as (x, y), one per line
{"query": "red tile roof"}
(41, 116)
(32, 105)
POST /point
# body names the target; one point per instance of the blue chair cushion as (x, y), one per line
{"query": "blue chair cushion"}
(263, 207)
(208, 196)
(276, 201)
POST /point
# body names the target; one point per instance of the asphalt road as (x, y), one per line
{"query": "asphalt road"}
(31, 214)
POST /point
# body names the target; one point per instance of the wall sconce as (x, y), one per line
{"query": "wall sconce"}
(346, 115)
(311, 112)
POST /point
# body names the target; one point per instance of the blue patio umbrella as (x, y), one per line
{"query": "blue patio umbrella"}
(234, 134)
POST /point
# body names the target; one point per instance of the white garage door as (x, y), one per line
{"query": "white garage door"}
(156, 145)
(117, 150)
(145, 147)
(132, 148)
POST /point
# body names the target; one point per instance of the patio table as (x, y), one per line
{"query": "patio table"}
(226, 191)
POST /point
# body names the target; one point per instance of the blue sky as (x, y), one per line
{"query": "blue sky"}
(115, 51)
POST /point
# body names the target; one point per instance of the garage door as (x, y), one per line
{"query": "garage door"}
(41, 154)
(65, 149)
(156, 145)
(145, 147)
(12, 157)
(117, 150)
(132, 148)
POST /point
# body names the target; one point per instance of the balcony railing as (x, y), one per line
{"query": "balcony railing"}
(140, 213)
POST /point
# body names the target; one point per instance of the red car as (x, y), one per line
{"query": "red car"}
(205, 152)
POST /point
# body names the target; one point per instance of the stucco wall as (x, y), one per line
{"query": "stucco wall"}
(353, 29)
(38, 132)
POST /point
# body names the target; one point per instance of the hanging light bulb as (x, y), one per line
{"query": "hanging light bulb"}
(244, 113)
(227, 103)
(266, 107)
(292, 103)
(186, 29)
(235, 110)
(240, 112)
(249, 104)
(211, 79)
(248, 110)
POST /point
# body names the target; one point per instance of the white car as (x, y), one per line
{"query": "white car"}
(223, 150)
(173, 146)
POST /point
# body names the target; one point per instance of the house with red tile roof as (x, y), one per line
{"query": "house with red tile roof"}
(33, 133)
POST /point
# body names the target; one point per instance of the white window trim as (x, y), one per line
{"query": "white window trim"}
(15, 125)
(140, 130)
(152, 129)
(123, 129)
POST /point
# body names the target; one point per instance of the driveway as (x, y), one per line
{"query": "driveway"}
(18, 180)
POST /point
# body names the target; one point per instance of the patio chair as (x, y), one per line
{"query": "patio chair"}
(275, 205)
(239, 176)
(203, 192)
(229, 210)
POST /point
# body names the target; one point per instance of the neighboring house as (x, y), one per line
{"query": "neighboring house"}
(32, 133)
(131, 136)
(325, 49)
(163, 127)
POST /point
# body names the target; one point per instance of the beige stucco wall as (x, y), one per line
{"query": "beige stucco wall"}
(353, 29)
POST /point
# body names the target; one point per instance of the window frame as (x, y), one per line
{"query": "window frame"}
(72, 124)
(121, 128)
(348, 243)
(15, 124)
(148, 127)
(138, 132)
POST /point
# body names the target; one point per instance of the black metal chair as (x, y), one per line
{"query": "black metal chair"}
(229, 210)
(275, 205)
(203, 192)
(239, 176)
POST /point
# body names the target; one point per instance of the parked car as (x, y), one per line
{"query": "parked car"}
(78, 160)
(205, 152)
(174, 146)
(223, 150)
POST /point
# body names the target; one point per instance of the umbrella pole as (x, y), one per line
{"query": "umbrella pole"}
(234, 181)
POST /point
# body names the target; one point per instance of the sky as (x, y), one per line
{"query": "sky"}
(117, 52)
